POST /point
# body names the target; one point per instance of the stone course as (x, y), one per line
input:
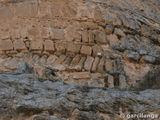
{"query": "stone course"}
(100, 40)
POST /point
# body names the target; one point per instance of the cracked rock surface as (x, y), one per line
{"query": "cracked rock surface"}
(25, 97)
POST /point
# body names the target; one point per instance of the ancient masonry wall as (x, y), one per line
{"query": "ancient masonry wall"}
(92, 43)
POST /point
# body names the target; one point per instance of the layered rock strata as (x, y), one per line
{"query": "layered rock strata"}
(25, 97)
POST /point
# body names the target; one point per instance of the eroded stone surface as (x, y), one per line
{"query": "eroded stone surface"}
(24, 96)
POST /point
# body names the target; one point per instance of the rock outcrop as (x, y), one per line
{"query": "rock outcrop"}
(25, 97)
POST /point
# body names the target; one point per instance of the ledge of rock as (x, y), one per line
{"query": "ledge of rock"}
(23, 96)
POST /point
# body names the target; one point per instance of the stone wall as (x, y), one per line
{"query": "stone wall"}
(93, 42)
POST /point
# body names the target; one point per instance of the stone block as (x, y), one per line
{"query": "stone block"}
(36, 45)
(97, 13)
(149, 59)
(85, 37)
(97, 50)
(101, 65)
(49, 46)
(75, 60)
(86, 50)
(80, 65)
(58, 34)
(91, 37)
(88, 63)
(6, 45)
(60, 47)
(60, 60)
(80, 75)
(113, 40)
(73, 48)
(122, 82)
(26, 10)
(6, 13)
(101, 37)
(45, 32)
(19, 45)
(109, 81)
(96, 76)
(95, 64)
(51, 59)
(67, 61)
(108, 65)
(34, 32)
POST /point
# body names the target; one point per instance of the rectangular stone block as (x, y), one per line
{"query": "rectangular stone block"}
(96, 76)
(52, 58)
(4, 35)
(58, 34)
(6, 45)
(26, 10)
(86, 50)
(85, 37)
(45, 32)
(19, 45)
(6, 13)
(97, 50)
(88, 63)
(108, 65)
(109, 81)
(91, 37)
(95, 64)
(60, 60)
(49, 46)
(80, 65)
(101, 65)
(36, 45)
(60, 47)
(73, 49)
(122, 82)
(67, 61)
(101, 37)
(75, 60)
(113, 40)
(80, 75)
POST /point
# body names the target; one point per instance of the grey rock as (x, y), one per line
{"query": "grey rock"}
(23, 67)
(132, 55)
(154, 52)
(142, 52)
(122, 82)
(149, 59)
(24, 95)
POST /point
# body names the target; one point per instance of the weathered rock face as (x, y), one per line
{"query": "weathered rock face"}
(25, 97)
(91, 42)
